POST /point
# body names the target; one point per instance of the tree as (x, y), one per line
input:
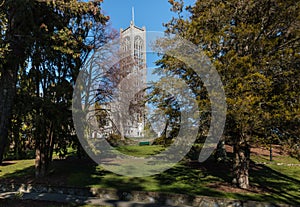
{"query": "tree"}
(55, 37)
(13, 39)
(254, 45)
(165, 107)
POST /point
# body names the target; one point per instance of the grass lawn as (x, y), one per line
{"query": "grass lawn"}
(140, 151)
(270, 183)
(18, 168)
(275, 160)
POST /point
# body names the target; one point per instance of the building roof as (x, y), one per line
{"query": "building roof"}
(132, 25)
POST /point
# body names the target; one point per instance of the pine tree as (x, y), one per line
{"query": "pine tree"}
(254, 46)
(53, 37)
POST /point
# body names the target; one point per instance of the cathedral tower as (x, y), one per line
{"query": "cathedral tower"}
(133, 60)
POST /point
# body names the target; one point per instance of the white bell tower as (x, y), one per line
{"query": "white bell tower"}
(133, 60)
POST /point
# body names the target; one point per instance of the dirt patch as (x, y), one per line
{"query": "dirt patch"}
(227, 187)
(264, 151)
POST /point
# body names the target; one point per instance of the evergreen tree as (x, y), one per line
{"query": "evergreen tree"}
(254, 46)
(51, 39)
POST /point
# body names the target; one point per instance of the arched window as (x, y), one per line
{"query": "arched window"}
(126, 44)
(138, 50)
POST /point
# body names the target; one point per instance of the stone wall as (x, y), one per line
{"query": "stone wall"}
(166, 199)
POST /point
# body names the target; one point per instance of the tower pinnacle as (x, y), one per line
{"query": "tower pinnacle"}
(132, 15)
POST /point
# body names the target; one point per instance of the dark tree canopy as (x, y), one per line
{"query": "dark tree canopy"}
(254, 46)
(43, 46)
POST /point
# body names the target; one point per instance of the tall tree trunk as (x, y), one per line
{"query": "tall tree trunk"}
(220, 154)
(165, 133)
(241, 165)
(42, 153)
(51, 143)
(40, 163)
(40, 133)
(7, 94)
(17, 142)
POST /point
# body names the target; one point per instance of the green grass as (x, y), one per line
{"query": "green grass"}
(280, 183)
(140, 151)
(276, 159)
(18, 168)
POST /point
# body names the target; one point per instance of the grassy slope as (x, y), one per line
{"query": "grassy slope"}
(280, 183)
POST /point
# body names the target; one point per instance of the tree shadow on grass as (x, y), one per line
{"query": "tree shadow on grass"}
(59, 173)
(273, 185)
(25, 175)
(7, 163)
(186, 179)
(279, 186)
(196, 178)
(191, 178)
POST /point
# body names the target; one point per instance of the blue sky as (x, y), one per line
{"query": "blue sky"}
(149, 13)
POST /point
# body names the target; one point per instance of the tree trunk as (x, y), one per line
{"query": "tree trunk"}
(42, 158)
(241, 165)
(7, 95)
(51, 143)
(17, 141)
(220, 154)
(271, 153)
(40, 163)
